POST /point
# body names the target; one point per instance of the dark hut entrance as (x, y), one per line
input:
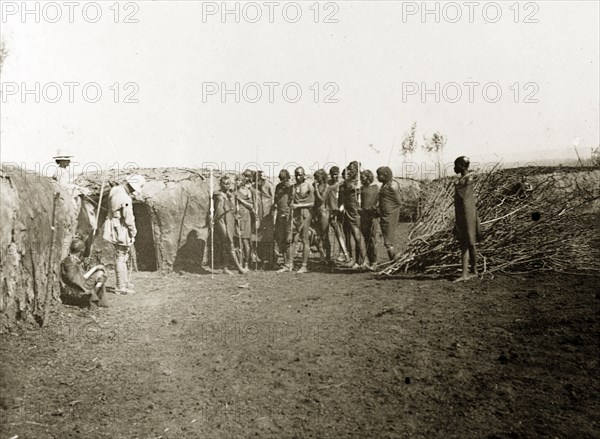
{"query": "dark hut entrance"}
(144, 241)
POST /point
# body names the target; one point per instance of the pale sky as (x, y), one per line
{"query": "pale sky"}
(373, 53)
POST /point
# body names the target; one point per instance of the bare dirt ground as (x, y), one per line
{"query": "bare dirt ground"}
(324, 355)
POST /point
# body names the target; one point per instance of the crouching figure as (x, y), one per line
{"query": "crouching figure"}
(80, 287)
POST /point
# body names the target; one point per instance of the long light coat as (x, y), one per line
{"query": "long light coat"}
(119, 227)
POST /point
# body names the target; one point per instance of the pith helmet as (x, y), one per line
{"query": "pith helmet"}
(136, 182)
(62, 155)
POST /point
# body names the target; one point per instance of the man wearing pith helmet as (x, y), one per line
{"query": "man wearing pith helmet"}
(120, 229)
(63, 172)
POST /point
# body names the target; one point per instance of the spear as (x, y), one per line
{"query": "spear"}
(50, 275)
(256, 213)
(212, 228)
(391, 152)
(97, 212)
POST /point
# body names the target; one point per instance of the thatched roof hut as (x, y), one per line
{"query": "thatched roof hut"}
(26, 204)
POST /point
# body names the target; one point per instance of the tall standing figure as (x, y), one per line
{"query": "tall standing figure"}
(119, 227)
(389, 209)
(368, 215)
(266, 246)
(245, 213)
(335, 216)
(321, 215)
(225, 225)
(350, 204)
(283, 220)
(467, 223)
(303, 200)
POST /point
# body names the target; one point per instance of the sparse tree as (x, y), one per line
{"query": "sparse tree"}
(435, 147)
(409, 143)
(3, 53)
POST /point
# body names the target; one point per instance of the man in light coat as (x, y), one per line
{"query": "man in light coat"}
(119, 228)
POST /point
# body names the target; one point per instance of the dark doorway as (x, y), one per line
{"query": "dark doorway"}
(144, 241)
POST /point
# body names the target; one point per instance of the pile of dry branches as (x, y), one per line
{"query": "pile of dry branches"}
(530, 222)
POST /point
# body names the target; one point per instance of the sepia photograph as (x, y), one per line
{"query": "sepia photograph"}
(307, 219)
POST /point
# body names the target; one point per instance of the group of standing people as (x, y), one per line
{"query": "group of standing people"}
(252, 219)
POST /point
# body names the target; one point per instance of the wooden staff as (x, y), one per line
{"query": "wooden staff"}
(50, 275)
(97, 217)
(256, 214)
(212, 228)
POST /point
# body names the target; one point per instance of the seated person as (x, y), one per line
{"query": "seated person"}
(82, 288)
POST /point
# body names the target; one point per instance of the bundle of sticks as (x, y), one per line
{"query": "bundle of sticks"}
(530, 222)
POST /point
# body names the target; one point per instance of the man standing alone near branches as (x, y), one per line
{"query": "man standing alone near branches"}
(467, 229)
(389, 209)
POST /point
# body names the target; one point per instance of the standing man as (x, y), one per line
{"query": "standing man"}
(266, 246)
(86, 210)
(467, 230)
(321, 214)
(65, 176)
(283, 222)
(245, 213)
(250, 178)
(64, 173)
(368, 213)
(303, 200)
(350, 203)
(225, 226)
(119, 227)
(389, 208)
(335, 217)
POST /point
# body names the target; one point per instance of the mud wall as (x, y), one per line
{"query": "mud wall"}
(177, 202)
(26, 202)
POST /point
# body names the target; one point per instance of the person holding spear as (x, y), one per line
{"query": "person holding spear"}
(321, 214)
(225, 222)
(302, 202)
(350, 204)
(335, 216)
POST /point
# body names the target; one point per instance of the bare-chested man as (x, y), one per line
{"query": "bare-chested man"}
(303, 200)
(350, 202)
